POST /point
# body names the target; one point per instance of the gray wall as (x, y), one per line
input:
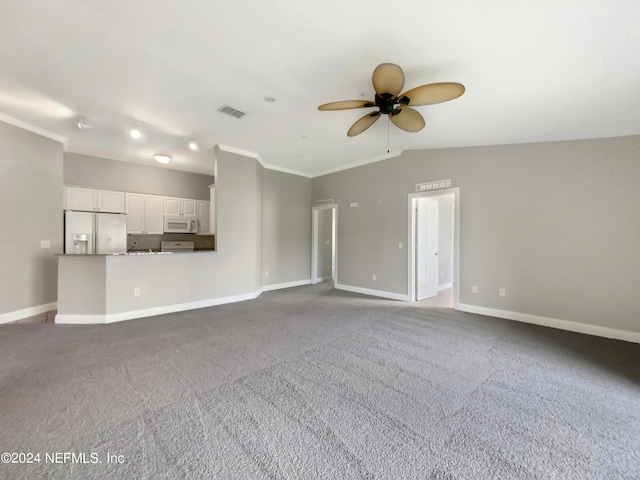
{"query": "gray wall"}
(31, 194)
(259, 232)
(287, 227)
(105, 174)
(325, 242)
(555, 224)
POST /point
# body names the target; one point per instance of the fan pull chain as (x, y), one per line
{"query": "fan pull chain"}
(388, 123)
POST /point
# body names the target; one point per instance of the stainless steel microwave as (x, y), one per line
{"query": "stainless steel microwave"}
(180, 225)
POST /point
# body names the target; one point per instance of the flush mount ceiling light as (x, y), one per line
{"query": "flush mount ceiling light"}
(83, 125)
(193, 145)
(162, 158)
(135, 133)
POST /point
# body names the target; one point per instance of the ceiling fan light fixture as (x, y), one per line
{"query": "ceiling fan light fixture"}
(161, 158)
(388, 82)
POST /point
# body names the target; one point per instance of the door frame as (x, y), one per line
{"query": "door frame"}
(334, 242)
(411, 254)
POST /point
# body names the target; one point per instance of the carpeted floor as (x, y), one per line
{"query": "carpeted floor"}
(312, 383)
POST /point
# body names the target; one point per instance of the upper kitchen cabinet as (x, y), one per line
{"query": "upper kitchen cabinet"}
(203, 217)
(90, 200)
(180, 207)
(144, 214)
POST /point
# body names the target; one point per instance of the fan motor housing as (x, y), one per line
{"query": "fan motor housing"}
(387, 102)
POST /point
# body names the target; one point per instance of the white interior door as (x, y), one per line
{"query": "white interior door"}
(323, 249)
(426, 248)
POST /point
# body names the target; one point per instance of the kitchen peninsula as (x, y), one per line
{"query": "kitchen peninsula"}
(141, 278)
(113, 287)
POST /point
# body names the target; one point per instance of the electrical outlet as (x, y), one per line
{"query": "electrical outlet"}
(374, 276)
(399, 244)
(474, 289)
(136, 292)
(502, 292)
(45, 244)
(266, 273)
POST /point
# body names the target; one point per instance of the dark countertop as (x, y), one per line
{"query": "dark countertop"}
(132, 253)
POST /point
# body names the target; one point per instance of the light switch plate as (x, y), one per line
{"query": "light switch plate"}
(45, 244)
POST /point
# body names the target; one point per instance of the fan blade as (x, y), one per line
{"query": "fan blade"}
(408, 119)
(433, 93)
(362, 124)
(388, 78)
(347, 104)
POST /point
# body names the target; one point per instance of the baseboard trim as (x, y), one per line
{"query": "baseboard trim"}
(80, 319)
(279, 286)
(27, 312)
(568, 325)
(150, 312)
(445, 286)
(373, 293)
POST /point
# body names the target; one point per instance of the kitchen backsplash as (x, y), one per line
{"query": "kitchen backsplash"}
(152, 242)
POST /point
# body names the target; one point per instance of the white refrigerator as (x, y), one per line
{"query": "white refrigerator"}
(87, 233)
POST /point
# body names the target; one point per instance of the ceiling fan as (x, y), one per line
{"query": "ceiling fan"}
(388, 80)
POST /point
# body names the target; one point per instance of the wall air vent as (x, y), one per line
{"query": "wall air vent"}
(231, 111)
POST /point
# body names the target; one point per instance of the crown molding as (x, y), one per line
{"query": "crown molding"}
(32, 128)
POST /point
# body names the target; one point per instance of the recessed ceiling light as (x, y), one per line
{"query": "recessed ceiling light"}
(135, 133)
(193, 145)
(162, 158)
(269, 99)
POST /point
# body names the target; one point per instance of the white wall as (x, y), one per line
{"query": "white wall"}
(445, 238)
(325, 242)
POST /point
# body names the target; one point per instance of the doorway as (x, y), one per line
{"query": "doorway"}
(324, 259)
(434, 219)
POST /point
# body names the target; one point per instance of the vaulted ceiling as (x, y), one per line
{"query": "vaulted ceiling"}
(533, 70)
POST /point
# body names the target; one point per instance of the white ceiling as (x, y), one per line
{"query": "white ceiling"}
(534, 71)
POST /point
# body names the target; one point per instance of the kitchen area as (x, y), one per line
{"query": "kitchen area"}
(124, 227)
(102, 222)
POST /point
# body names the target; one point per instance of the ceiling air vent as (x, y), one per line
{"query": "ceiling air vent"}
(231, 111)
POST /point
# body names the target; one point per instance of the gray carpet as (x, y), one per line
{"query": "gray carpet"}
(312, 383)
